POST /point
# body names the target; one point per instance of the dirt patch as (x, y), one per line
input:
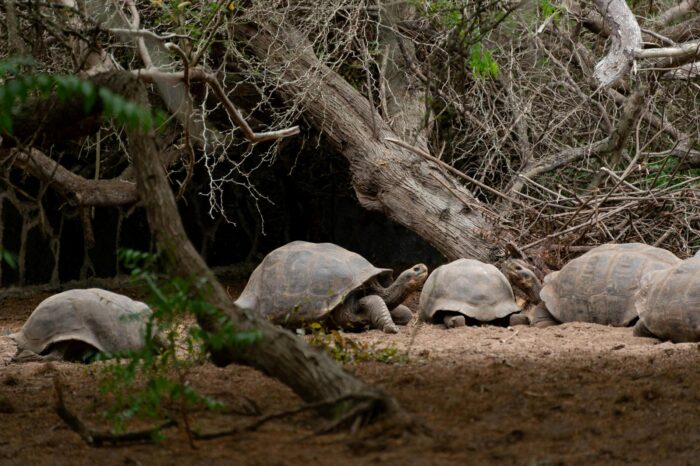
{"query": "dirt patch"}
(571, 394)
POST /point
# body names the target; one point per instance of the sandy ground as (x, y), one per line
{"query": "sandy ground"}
(570, 394)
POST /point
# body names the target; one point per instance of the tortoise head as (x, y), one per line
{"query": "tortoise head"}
(412, 279)
(521, 275)
(409, 281)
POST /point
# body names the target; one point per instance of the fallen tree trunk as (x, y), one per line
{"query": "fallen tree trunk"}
(411, 190)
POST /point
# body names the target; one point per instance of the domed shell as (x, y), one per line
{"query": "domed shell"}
(468, 287)
(304, 281)
(600, 285)
(668, 302)
(108, 321)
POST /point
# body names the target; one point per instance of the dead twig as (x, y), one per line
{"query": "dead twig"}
(95, 437)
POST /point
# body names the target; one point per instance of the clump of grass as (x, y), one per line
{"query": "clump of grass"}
(346, 350)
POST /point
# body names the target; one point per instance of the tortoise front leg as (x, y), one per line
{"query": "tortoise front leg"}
(519, 318)
(454, 320)
(379, 316)
(401, 315)
(56, 354)
(542, 318)
(641, 330)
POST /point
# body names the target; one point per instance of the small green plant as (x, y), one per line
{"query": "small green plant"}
(482, 63)
(547, 8)
(8, 257)
(348, 351)
(153, 382)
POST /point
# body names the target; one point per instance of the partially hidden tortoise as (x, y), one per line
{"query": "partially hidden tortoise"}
(468, 289)
(597, 287)
(302, 282)
(668, 303)
(76, 324)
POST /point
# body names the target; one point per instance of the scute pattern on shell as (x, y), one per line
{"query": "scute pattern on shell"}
(668, 302)
(469, 287)
(599, 286)
(108, 321)
(304, 281)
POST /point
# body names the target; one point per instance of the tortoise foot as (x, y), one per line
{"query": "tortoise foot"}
(454, 321)
(401, 315)
(641, 330)
(518, 319)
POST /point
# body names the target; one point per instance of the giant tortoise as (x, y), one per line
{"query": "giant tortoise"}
(668, 303)
(597, 287)
(467, 289)
(76, 324)
(304, 282)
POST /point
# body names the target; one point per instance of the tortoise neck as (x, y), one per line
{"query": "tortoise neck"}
(396, 293)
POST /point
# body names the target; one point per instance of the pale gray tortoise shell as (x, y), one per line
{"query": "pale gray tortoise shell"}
(304, 282)
(600, 285)
(668, 302)
(468, 287)
(108, 321)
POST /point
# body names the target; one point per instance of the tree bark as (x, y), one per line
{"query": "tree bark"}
(626, 40)
(406, 187)
(76, 189)
(308, 371)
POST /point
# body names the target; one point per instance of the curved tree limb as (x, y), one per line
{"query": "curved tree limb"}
(626, 38)
(78, 190)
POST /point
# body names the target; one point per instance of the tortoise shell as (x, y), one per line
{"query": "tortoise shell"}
(600, 285)
(108, 321)
(302, 281)
(668, 302)
(469, 287)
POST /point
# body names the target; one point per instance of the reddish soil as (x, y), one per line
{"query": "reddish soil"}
(571, 394)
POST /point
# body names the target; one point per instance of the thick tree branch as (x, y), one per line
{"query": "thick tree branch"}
(78, 190)
(407, 188)
(626, 38)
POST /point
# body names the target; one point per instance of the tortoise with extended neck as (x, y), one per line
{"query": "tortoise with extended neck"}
(77, 324)
(304, 282)
(467, 290)
(668, 303)
(597, 287)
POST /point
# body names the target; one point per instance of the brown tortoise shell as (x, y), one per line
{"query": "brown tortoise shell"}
(668, 302)
(304, 282)
(468, 287)
(108, 321)
(600, 285)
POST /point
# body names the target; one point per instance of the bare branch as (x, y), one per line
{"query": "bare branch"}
(198, 74)
(687, 50)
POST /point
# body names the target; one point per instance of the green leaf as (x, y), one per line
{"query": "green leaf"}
(89, 95)
(9, 258)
